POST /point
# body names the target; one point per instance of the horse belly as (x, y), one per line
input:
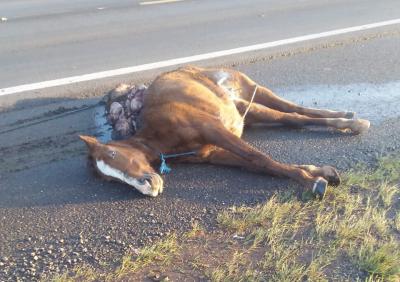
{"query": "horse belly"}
(232, 120)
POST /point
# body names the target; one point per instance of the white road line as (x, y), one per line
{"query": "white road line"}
(185, 60)
(159, 2)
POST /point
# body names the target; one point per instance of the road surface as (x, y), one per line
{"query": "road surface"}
(55, 214)
(50, 39)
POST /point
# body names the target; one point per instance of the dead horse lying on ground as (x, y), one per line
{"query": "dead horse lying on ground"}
(202, 110)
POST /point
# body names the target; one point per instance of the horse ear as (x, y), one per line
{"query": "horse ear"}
(89, 140)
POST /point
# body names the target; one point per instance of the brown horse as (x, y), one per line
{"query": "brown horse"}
(204, 110)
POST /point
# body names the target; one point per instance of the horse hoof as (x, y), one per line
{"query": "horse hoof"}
(360, 126)
(331, 174)
(319, 188)
(350, 115)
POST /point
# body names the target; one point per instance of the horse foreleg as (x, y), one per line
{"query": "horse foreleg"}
(215, 133)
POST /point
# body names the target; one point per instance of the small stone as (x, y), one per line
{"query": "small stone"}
(35, 257)
(4, 19)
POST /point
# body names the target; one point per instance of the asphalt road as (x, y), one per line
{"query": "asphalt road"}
(51, 39)
(55, 214)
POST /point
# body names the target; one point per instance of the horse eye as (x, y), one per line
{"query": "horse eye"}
(113, 154)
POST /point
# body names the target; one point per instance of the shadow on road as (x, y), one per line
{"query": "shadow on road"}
(70, 181)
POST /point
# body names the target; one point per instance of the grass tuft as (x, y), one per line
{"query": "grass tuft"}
(161, 252)
(387, 192)
(380, 261)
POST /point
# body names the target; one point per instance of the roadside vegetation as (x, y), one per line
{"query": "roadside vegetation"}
(352, 235)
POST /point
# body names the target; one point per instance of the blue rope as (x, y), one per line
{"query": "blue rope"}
(164, 168)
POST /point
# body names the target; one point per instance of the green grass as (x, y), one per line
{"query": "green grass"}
(381, 261)
(160, 253)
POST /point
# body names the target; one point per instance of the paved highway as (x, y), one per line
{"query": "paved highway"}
(48, 198)
(43, 40)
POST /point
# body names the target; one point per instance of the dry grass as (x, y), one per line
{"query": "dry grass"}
(352, 235)
(160, 253)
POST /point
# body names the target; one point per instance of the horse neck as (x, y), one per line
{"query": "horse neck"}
(150, 149)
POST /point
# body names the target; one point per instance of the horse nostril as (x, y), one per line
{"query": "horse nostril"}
(142, 181)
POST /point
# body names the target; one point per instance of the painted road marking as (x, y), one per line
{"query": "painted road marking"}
(159, 2)
(190, 59)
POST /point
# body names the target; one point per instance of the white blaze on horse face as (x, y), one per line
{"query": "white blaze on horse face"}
(107, 170)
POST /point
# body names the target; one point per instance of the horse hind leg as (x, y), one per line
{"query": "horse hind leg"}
(261, 114)
(266, 97)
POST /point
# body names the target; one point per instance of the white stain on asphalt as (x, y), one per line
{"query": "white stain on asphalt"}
(375, 102)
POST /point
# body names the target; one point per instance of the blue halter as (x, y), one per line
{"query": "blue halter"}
(164, 168)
